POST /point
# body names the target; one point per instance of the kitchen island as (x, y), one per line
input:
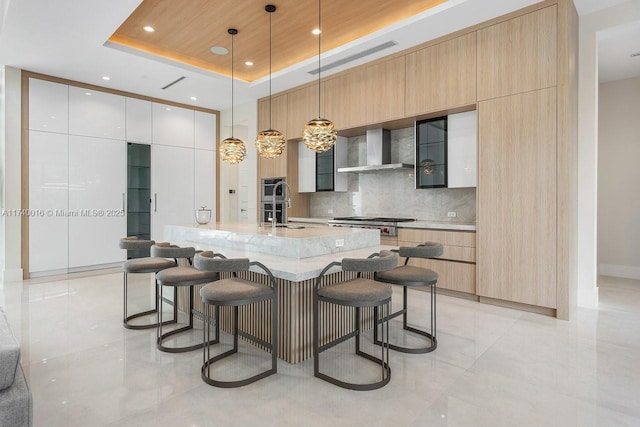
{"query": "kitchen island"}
(295, 275)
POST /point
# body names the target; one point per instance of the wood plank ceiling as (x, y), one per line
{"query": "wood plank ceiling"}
(185, 30)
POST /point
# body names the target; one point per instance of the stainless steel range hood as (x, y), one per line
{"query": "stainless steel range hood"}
(378, 154)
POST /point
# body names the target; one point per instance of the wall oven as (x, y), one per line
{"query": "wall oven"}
(267, 186)
(267, 212)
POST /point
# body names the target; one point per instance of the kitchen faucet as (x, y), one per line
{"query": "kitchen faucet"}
(273, 205)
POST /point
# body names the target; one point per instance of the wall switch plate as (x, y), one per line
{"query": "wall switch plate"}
(330, 211)
(339, 243)
(452, 214)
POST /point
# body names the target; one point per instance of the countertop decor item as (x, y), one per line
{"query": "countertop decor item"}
(203, 215)
(232, 150)
(319, 134)
(270, 143)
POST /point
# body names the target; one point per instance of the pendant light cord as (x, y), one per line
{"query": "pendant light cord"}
(232, 61)
(270, 109)
(319, 53)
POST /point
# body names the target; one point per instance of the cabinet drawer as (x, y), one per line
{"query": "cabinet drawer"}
(458, 253)
(390, 241)
(448, 238)
(455, 276)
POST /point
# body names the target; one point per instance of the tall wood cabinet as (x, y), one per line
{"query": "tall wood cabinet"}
(517, 198)
(442, 76)
(518, 55)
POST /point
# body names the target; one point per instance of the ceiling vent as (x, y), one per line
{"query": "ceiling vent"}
(174, 82)
(354, 57)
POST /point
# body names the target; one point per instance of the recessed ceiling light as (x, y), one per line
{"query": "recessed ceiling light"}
(316, 31)
(168, 109)
(248, 63)
(87, 93)
(219, 50)
(149, 29)
(193, 98)
(106, 78)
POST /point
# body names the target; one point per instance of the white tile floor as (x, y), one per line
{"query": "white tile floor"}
(493, 367)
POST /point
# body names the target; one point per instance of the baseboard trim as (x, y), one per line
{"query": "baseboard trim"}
(624, 271)
(520, 306)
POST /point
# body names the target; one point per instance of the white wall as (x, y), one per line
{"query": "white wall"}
(590, 25)
(619, 179)
(11, 175)
(242, 177)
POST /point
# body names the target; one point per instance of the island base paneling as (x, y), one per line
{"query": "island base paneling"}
(295, 315)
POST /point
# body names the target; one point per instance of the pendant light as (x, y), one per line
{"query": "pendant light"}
(232, 150)
(319, 134)
(270, 143)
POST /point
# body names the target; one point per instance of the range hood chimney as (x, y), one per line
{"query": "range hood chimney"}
(378, 153)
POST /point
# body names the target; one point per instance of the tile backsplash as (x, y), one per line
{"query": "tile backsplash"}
(393, 193)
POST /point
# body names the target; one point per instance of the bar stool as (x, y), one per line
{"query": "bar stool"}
(141, 265)
(413, 276)
(357, 293)
(235, 292)
(178, 277)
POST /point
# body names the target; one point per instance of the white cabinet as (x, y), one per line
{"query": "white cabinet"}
(306, 169)
(138, 120)
(95, 113)
(462, 149)
(308, 164)
(48, 106)
(205, 180)
(205, 130)
(97, 172)
(48, 195)
(173, 126)
(172, 179)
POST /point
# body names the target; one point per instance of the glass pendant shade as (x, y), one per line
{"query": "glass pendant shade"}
(319, 135)
(232, 150)
(270, 143)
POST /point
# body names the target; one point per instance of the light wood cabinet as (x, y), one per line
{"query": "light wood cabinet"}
(456, 266)
(441, 77)
(366, 95)
(518, 55)
(302, 106)
(516, 210)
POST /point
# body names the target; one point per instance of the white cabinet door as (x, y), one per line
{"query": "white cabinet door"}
(172, 171)
(173, 125)
(205, 130)
(48, 106)
(48, 194)
(205, 181)
(462, 149)
(95, 113)
(306, 169)
(138, 120)
(340, 182)
(97, 175)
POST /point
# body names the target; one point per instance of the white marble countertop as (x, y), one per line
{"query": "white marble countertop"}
(422, 224)
(439, 225)
(295, 270)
